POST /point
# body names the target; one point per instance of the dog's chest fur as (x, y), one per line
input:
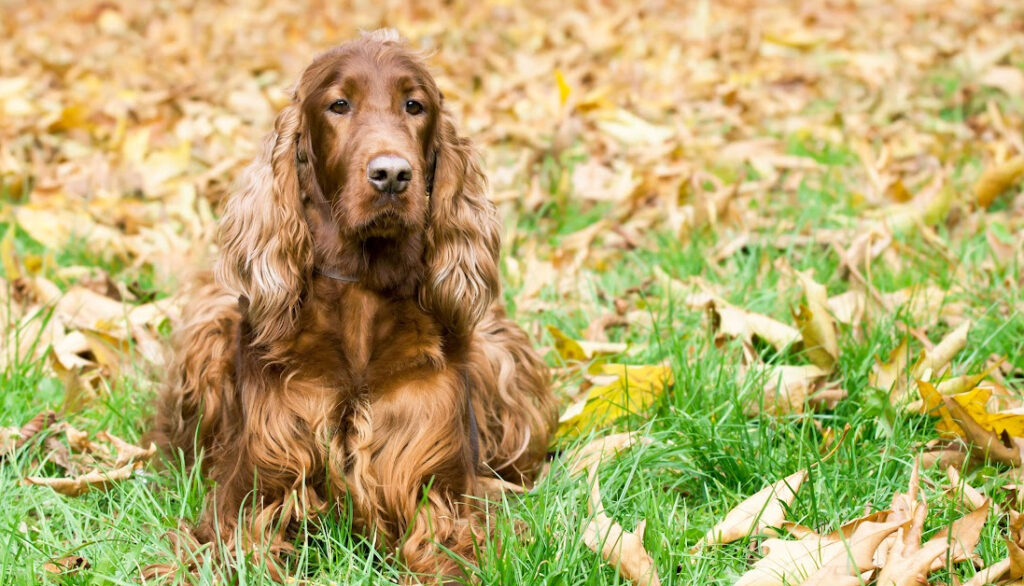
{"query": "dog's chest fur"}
(357, 342)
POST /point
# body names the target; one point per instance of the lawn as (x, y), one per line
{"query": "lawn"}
(685, 186)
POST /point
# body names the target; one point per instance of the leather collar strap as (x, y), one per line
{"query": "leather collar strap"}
(474, 432)
(330, 274)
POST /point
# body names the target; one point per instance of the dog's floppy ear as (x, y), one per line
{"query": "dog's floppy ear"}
(463, 236)
(266, 249)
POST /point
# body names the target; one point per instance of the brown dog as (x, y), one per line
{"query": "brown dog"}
(351, 343)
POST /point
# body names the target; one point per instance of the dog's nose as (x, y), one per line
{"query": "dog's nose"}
(389, 174)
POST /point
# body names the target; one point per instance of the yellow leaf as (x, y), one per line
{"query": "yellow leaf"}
(997, 179)
(563, 87)
(9, 256)
(817, 329)
(794, 38)
(71, 117)
(164, 165)
(950, 386)
(580, 350)
(633, 389)
(933, 405)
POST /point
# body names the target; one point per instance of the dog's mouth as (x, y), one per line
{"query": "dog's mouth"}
(387, 222)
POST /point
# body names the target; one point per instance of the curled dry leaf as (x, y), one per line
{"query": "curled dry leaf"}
(104, 468)
(889, 541)
(620, 548)
(35, 425)
(905, 562)
(817, 329)
(765, 509)
(819, 560)
(733, 322)
(969, 494)
(997, 179)
(96, 479)
(998, 447)
(787, 388)
(66, 565)
(962, 536)
(13, 438)
(932, 363)
(127, 452)
(624, 550)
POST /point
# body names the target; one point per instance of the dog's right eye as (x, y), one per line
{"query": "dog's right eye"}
(340, 107)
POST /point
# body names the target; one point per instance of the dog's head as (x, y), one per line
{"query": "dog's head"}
(364, 172)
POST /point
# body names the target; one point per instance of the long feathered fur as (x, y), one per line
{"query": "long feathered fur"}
(265, 245)
(463, 237)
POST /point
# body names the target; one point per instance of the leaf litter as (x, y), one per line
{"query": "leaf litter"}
(95, 463)
(123, 133)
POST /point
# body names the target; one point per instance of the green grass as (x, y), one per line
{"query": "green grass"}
(706, 455)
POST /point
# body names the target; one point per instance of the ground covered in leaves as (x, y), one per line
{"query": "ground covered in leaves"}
(773, 251)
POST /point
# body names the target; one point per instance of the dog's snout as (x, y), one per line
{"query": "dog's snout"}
(389, 174)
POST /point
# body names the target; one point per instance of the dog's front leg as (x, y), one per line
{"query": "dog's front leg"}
(411, 467)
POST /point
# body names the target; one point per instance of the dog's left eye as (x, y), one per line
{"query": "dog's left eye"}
(413, 107)
(340, 107)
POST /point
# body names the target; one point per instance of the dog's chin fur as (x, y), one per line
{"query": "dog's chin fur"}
(388, 223)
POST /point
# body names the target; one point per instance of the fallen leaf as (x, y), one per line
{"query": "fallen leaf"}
(622, 549)
(572, 350)
(66, 565)
(987, 443)
(817, 330)
(734, 322)
(631, 390)
(932, 364)
(996, 179)
(818, 559)
(756, 514)
(96, 479)
(786, 388)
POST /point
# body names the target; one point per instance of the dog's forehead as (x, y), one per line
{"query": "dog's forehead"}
(360, 69)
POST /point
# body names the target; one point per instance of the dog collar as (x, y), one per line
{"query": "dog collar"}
(335, 275)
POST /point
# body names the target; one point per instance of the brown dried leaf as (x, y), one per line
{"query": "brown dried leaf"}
(757, 514)
(126, 452)
(39, 423)
(622, 549)
(734, 322)
(786, 389)
(997, 179)
(818, 559)
(96, 479)
(66, 565)
(932, 364)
